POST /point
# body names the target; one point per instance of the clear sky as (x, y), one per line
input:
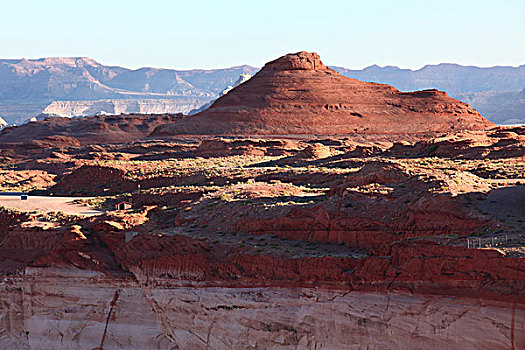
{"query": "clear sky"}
(213, 34)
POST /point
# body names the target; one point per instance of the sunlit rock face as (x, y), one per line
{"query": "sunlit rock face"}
(75, 309)
(142, 106)
(297, 94)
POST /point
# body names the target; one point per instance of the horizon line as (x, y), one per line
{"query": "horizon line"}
(256, 67)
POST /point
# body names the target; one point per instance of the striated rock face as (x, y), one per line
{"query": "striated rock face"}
(401, 207)
(142, 106)
(74, 309)
(298, 94)
(429, 217)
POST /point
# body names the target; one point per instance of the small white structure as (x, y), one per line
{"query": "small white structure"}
(123, 206)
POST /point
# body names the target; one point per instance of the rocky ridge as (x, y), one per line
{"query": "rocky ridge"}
(262, 243)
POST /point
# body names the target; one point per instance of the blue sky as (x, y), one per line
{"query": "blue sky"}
(212, 34)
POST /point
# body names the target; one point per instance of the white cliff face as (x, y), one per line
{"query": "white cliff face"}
(244, 77)
(73, 309)
(144, 106)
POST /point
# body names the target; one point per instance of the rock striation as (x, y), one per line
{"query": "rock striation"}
(69, 309)
(297, 94)
(182, 104)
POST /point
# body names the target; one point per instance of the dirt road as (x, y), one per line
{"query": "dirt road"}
(46, 204)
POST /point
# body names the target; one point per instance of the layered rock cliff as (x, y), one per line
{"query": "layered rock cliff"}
(72, 309)
(297, 95)
(123, 106)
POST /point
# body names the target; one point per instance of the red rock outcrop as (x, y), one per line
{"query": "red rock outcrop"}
(497, 143)
(60, 132)
(90, 179)
(297, 94)
(371, 208)
(100, 244)
(225, 147)
(429, 217)
(426, 267)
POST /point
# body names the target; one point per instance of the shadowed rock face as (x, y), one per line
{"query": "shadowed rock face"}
(298, 94)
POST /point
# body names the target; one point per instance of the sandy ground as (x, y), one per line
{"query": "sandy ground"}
(48, 204)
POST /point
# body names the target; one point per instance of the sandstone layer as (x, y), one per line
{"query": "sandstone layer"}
(298, 95)
(72, 309)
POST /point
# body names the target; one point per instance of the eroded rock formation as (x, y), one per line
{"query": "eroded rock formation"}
(297, 94)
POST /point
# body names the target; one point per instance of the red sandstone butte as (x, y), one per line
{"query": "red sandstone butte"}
(298, 95)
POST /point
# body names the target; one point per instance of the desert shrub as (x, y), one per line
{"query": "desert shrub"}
(431, 149)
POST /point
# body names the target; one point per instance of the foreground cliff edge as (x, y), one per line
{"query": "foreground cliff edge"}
(380, 237)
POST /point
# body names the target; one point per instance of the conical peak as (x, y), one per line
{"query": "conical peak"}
(297, 94)
(297, 61)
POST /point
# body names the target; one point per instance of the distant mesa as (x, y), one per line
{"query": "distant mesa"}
(77, 86)
(298, 95)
